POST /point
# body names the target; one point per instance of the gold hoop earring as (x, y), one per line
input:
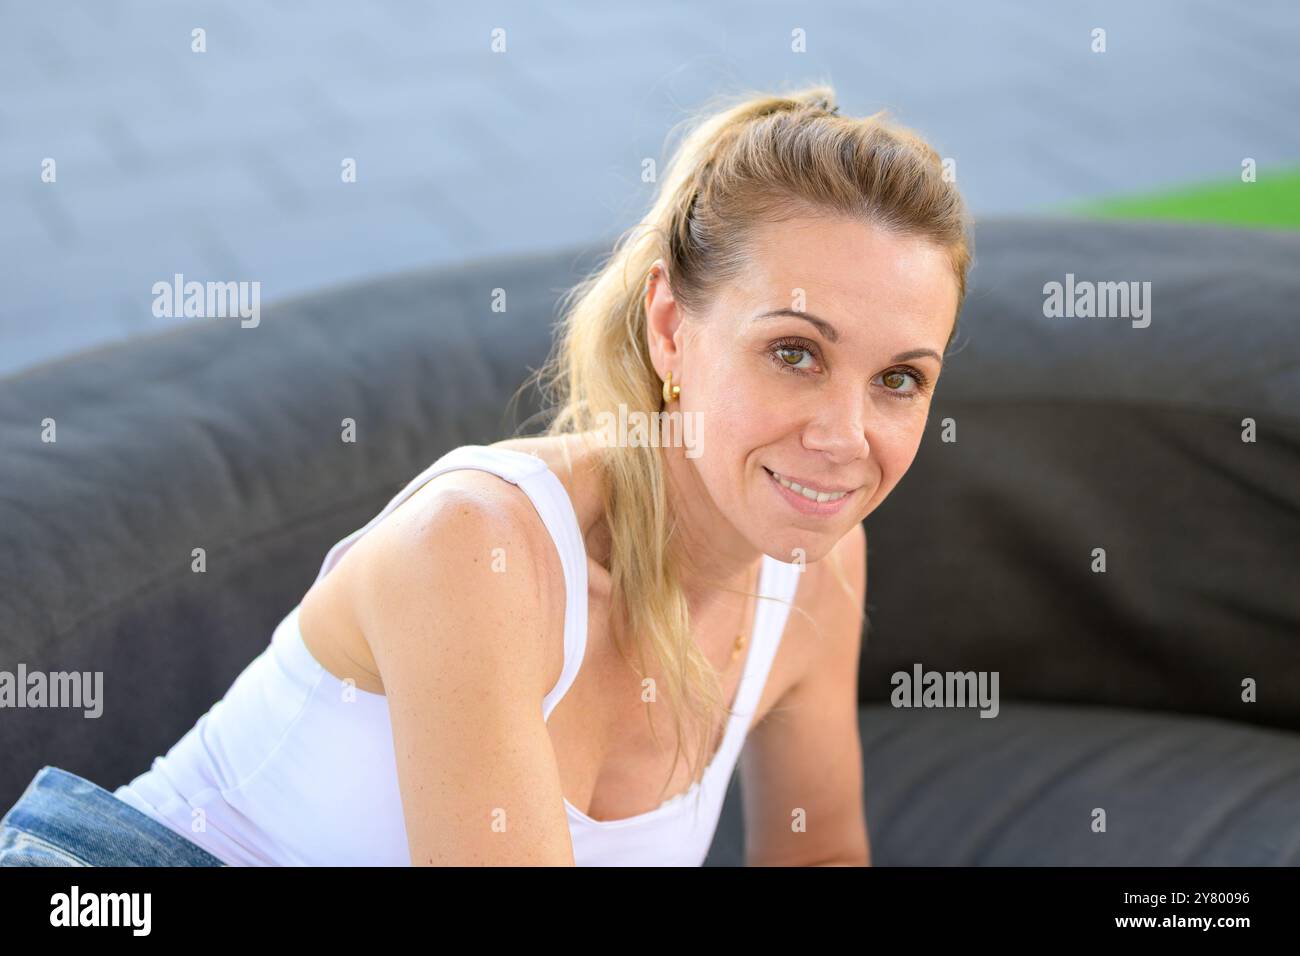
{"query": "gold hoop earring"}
(671, 391)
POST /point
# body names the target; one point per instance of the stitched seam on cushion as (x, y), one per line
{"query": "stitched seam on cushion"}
(1242, 805)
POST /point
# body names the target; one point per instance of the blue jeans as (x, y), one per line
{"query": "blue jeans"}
(65, 820)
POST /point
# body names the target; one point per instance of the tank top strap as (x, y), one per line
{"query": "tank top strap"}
(553, 505)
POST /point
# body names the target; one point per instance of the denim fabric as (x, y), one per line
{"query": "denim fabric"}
(65, 820)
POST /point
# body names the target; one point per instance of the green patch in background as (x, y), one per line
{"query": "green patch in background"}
(1271, 202)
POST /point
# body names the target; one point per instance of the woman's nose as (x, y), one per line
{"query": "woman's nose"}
(839, 429)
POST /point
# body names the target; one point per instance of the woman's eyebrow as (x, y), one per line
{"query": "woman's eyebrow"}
(829, 332)
(917, 353)
(825, 328)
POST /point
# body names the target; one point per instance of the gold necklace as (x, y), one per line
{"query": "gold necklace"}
(743, 637)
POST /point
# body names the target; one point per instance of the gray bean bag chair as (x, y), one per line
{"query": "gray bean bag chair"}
(1163, 692)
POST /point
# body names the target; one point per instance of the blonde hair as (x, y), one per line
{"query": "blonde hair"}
(760, 157)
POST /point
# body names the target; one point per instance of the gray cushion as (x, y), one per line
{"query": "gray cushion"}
(1075, 434)
(1072, 434)
(951, 788)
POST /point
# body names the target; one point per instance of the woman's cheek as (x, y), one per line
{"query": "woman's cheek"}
(741, 397)
(896, 447)
(906, 450)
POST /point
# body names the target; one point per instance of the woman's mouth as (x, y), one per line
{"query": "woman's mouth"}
(810, 500)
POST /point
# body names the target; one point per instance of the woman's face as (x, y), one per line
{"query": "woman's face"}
(818, 366)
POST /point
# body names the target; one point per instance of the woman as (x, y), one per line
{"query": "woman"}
(480, 674)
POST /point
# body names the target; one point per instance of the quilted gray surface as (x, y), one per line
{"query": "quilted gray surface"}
(950, 788)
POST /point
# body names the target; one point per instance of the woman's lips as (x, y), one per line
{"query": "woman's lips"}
(806, 505)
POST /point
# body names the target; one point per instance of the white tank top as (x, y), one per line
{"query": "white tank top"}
(293, 767)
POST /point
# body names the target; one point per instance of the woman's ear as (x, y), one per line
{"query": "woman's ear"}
(655, 273)
(663, 321)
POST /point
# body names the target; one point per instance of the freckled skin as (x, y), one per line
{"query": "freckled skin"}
(837, 425)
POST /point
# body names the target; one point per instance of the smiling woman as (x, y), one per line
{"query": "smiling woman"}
(798, 279)
(836, 401)
(473, 676)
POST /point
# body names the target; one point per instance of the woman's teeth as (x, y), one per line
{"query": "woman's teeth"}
(808, 492)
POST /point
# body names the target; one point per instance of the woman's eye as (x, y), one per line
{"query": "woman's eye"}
(896, 381)
(902, 383)
(792, 356)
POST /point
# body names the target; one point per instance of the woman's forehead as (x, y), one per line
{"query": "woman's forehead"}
(848, 274)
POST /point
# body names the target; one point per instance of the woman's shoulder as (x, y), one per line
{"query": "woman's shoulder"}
(455, 514)
(458, 512)
(464, 536)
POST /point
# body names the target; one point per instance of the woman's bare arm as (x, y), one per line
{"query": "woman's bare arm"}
(803, 762)
(462, 648)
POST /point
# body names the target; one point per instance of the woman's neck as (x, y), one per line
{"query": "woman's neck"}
(712, 556)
